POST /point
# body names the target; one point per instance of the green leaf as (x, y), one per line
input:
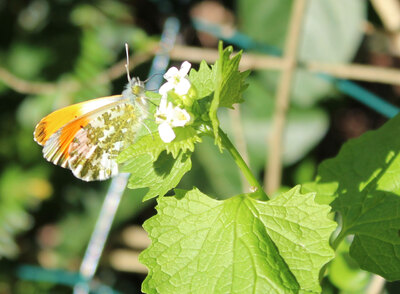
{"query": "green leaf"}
(157, 165)
(203, 80)
(239, 245)
(184, 141)
(229, 85)
(331, 32)
(364, 180)
(232, 82)
(158, 176)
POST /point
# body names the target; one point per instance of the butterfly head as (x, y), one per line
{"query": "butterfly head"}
(135, 90)
(137, 87)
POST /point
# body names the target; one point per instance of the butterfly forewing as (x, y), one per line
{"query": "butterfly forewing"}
(95, 147)
(57, 119)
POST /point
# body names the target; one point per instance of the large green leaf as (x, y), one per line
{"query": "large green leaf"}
(364, 181)
(239, 245)
(332, 32)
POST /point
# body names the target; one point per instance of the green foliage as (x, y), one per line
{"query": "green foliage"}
(161, 171)
(15, 199)
(203, 80)
(158, 176)
(237, 245)
(152, 167)
(241, 243)
(27, 61)
(228, 86)
(362, 180)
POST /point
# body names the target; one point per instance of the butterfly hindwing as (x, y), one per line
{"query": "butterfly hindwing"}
(95, 147)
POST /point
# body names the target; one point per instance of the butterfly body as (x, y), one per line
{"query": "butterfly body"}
(87, 137)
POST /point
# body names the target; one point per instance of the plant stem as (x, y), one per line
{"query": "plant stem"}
(260, 194)
(339, 238)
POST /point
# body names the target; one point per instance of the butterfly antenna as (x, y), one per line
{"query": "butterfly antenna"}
(152, 90)
(127, 62)
(152, 76)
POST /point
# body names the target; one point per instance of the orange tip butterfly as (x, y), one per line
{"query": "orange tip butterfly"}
(87, 137)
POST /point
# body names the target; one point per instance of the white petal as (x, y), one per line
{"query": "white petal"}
(161, 111)
(163, 104)
(183, 87)
(166, 132)
(164, 89)
(171, 73)
(170, 109)
(181, 117)
(184, 70)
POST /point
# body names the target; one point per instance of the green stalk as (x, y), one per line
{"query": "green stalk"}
(259, 194)
(339, 239)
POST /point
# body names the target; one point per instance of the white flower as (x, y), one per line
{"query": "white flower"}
(169, 117)
(176, 80)
(180, 117)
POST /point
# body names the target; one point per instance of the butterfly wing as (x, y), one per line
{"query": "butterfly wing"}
(90, 144)
(57, 119)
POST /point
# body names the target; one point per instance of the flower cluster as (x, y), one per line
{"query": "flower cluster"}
(168, 115)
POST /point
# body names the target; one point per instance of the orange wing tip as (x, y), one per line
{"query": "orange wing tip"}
(39, 135)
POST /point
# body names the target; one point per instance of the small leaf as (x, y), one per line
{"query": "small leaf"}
(157, 165)
(239, 245)
(185, 139)
(229, 85)
(158, 176)
(203, 80)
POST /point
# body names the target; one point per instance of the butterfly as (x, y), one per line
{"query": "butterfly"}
(87, 137)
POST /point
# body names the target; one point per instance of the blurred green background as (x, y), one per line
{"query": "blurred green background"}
(54, 53)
